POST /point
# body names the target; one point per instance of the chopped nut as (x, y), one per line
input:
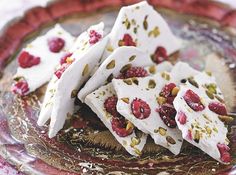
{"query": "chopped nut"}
(170, 140)
(86, 70)
(174, 91)
(152, 69)
(110, 48)
(74, 93)
(155, 32)
(211, 88)
(126, 23)
(197, 136)
(133, 22)
(135, 80)
(208, 130)
(110, 77)
(69, 60)
(209, 94)
(151, 84)
(226, 119)
(137, 151)
(165, 75)
(145, 23)
(209, 73)
(134, 141)
(129, 125)
(126, 100)
(132, 57)
(125, 68)
(127, 81)
(162, 131)
(193, 82)
(161, 100)
(111, 65)
(215, 129)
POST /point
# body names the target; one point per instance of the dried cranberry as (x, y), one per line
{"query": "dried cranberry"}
(224, 152)
(170, 100)
(21, 88)
(160, 55)
(27, 60)
(63, 59)
(55, 44)
(140, 109)
(182, 118)
(135, 72)
(127, 41)
(193, 101)
(94, 37)
(110, 105)
(62, 69)
(119, 126)
(167, 113)
(166, 90)
(218, 108)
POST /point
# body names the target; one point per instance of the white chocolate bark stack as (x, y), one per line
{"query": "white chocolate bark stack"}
(133, 88)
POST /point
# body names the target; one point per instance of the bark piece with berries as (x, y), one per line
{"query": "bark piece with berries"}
(69, 77)
(140, 25)
(103, 102)
(38, 60)
(199, 116)
(124, 61)
(144, 110)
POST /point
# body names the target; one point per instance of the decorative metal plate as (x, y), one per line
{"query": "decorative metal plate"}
(85, 145)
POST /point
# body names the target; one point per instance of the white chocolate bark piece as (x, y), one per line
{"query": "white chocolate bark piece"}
(73, 78)
(40, 74)
(182, 70)
(85, 57)
(203, 128)
(147, 89)
(111, 67)
(147, 28)
(132, 143)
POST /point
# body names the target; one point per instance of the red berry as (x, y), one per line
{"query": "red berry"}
(218, 108)
(63, 59)
(140, 109)
(110, 105)
(135, 72)
(167, 113)
(127, 40)
(27, 60)
(119, 126)
(55, 44)
(94, 37)
(182, 118)
(62, 69)
(170, 100)
(21, 88)
(224, 152)
(160, 55)
(166, 90)
(193, 101)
